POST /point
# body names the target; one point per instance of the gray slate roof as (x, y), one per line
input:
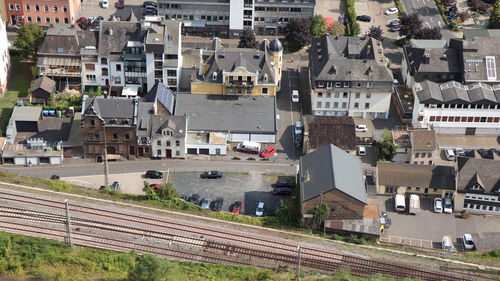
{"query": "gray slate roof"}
(44, 83)
(475, 170)
(469, 34)
(26, 113)
(453, 92)
(145, 110)
(113, 36)
(61, 39)
(176, 123)
(331, 168)
(413, 175)
(440, 60)
(347, 58)
(223, 113)
(107, 109)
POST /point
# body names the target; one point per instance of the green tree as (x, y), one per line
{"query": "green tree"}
(386, 148)
(376, 32)
(167, 192)
(29, 37)
(410, 25)
(148, 268)
(284, 212)
(298, 33)
(321, 213)
(318, 25)
(247, 39)
(150, 192)
(337, 28)
(494, 21)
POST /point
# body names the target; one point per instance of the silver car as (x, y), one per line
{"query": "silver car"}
(205, 203)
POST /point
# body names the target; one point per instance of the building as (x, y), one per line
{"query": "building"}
(332, 177)
(401, 139)
(3, 12)
(42, 12)
(228, 18)
(41, 89)
(213, 121)
(320, 131)
(349, 77)
(4, 58)
(168, 136)
(239, 71)
(454, 108)
(478, 186)
(402, 178)
(423, 147)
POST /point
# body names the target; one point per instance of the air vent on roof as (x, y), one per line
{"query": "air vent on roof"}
(256, 56)
(406, 96)
(157, 39)
(60, 50)
(221, 56)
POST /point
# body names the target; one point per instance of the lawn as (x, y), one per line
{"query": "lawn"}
(18, 85)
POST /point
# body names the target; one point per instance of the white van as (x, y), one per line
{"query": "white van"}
(450, 154)
(400, 203)
(446, 244)
(249, 147)
(414, 204)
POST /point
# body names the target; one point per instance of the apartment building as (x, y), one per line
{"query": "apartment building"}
(3, 11)
(454, 108)
(349, 77)
(4, 59)
(227, 18)
(239, 71)
(42, 12)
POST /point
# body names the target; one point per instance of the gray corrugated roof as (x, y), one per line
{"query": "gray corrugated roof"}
(332, 168)
(233, 113)
(26, 113)
(453, 92)
(469, 34)
(413, 175)
(428, 44)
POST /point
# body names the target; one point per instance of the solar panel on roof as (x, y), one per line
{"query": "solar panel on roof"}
(166, 97)
(491, 68)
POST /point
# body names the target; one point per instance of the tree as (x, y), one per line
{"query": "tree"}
(298, 33)
(494, 21)
(386, 148)
(433, 33)
(29, 38)
(318, 25)
(337, 28)
(167, 192)
(321, 213)
(376, 32)
(247, 39)
(410, 24)
(148, 268)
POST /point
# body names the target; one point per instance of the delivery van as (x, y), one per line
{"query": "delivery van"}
(446, 244)
(414, 204)
(400, 203)
(249, 147)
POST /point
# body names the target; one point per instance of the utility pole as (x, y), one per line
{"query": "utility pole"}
(298, 263)
(68, 224)
(165, 179)
(105, 158)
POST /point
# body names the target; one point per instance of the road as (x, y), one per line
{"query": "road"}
(428, 10)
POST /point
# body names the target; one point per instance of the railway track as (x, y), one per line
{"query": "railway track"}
(200, 242)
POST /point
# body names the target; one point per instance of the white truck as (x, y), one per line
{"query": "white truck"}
(414, 204)
(249, 147)
(400, 204)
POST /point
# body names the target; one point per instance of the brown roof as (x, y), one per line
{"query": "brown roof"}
(44, 83)
(424, 139)
(336, 130)
(478, 171)
(413, 175)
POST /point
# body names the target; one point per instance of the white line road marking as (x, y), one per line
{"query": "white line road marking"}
(428, 24)
(440, 24)
(431, 20)
(427, 9)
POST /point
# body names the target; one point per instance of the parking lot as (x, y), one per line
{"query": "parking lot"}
(427, 228)
(92, 8)
(248, 188)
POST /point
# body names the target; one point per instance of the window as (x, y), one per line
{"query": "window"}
(47, 19)
(115, 136)
(318, 104)
(57, 20)
(327, 104)
(118, 80)
(37, 7)
(29, 18)
(389, 189)
(46, 8)
(11, 7)
(158, 152)
(118, 67)
(38, 19)
(320, 95)
(328, 95)
(92, 123)
(338, 84)
(127, 136)
(28, 7)
(18, 7)
(168, 143)
(357, 96)
(346, 84)
(344, 95)
(417, 155)
(337, 95)
(55, 9)
(367, 105)
(369, 85)
(356, 105)
(321, 84)
(65, 9)
(344, 105)
(177, 153)
(368, 95)
(177, 143)
(66, 20)
(265, 91)
(158, 142)
(335, 105)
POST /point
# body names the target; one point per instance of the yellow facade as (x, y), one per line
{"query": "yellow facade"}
(3, 11)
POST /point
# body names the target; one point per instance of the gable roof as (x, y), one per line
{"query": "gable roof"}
(324, 130)
(119, 109)
(175, 123)
(60, 39)
(114, 36)
(26, 113)
(413, 175)
(453, 92)
(162, 94)
(476, 170)
(331, 168)
(423, 139)
(44, 83)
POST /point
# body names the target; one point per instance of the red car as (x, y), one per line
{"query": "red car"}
(155, 185)
(268, 152)
(120, 4)
(237, 207)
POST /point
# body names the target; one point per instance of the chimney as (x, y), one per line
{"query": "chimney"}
(427, 58)
(110, 32)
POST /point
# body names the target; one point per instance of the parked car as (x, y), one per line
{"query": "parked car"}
(218, 204)
(295, 96)
(284, 183)
(99, 19)
(468, 242)
(361, 128)
(249, 147)
(195, 199)
(268, 152)
(396, 28)
(448, 207)
(55, 177)
(298, 128)
(391, 11)
(115, 186)
(205, 203)
(446, 244)
(120, 4)
(105, 4)
(153, 174)
(364, 18)
(450, 154)
(438, 205)
(282, 191)
(488, 154)
(150, 7)
(460, 151)
(400, 203)
(297, 140)
(155, 185)
(81, 20)
(395, 22)
(259, 212)
(184, 197)
(237, 207)
(361, 150)
(211, 175)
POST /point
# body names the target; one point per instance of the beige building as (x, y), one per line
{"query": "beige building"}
(423, 146)
(402, 178)
(4, 57)
(239, 71)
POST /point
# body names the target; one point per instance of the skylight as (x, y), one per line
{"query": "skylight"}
(491, 68)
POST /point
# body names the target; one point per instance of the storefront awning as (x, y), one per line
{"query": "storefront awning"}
(54, 61)
(130, 91)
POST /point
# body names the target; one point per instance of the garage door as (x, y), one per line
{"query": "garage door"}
(239, 137)
(488, 131)
(263, 138)
(192, 151)
(205, 151)
(450, 131)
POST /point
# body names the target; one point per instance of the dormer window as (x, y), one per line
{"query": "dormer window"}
(214, 76)
(332, 71)
(476, 186)
(265, 77)
(112, 121)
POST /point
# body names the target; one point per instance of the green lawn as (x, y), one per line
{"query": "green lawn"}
(18, 85)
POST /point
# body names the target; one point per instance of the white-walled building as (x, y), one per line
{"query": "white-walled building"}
(349, 77)
(4, 58)
(454, 108)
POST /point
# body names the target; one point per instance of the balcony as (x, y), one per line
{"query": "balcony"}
(239, 84)
(63, 72)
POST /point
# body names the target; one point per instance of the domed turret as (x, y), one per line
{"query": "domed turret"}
(275, 46)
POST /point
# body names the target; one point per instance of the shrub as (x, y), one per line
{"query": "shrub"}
(237, 218)
(58, 185)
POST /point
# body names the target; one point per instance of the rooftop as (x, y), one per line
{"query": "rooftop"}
(114, 36)
(26, 113)
(423, 139)
(483, 172)
(406, 100)
(44, 83)
(432, 60)
(120, 111)
(453, 92)
(480, 57)
(324, 130)
(413, 175)
(61, 39)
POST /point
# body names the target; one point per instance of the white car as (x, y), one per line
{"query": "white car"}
(259, 212)
(460, 151)
(105, 4)
(450, 154)
(438, 205)
(361, 150)
(468, 242)
(448, 207)
(295, 96)
(298, 128)
(361, 128)
(391, 11)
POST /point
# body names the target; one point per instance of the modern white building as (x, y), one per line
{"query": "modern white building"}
(349, 77)
(454, 108)
(4, 58)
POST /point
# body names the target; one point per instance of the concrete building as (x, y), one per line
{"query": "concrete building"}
(239, 71)
(4, 58)
(332, 177)
(349, 77)
(228, 18)
(454, 108)
(42, 12)
(214, 121)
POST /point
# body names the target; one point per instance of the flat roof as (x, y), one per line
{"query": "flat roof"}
(228, 113)
(26, 113)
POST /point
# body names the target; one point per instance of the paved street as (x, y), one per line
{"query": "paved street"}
(428, 10)
(288, 113)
